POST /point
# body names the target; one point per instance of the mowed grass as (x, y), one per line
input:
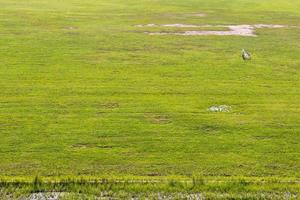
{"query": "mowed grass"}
(85, 92)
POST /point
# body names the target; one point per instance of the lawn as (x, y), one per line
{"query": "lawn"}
(85, 92)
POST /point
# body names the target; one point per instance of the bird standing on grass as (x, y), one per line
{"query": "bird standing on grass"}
(246, 55)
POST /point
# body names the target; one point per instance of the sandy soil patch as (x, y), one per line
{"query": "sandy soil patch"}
(268, 26)
(237, 30)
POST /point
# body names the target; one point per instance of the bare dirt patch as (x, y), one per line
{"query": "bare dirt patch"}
(180, 25)
(209, 129)
(105, 147)
(83, 145)
(169, 25)
(154, 174)
(265, 137)
(220, 108)
(233, 30)
(268, 26)
(157, 118)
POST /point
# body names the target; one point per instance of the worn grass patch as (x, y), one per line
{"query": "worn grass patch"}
(83, 91)
(141, 188)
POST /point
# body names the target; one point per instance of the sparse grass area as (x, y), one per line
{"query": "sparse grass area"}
(85, 93)
(142, 30)
(145, 187)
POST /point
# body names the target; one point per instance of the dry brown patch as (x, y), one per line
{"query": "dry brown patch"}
(83, 145)
(265, 137)
(209, 128)
(105, 147)
(238, 30)
(154, 174)
(157, 118)
(91, 145)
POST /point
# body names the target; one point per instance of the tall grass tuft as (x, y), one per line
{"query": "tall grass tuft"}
(36, 184)
(197, 181)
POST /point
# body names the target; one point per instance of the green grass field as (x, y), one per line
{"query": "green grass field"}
(84, 92)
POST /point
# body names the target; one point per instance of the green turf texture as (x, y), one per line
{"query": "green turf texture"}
(85, 92)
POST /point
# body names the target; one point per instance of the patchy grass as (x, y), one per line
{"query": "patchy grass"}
(178, 188)
(85, 93)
